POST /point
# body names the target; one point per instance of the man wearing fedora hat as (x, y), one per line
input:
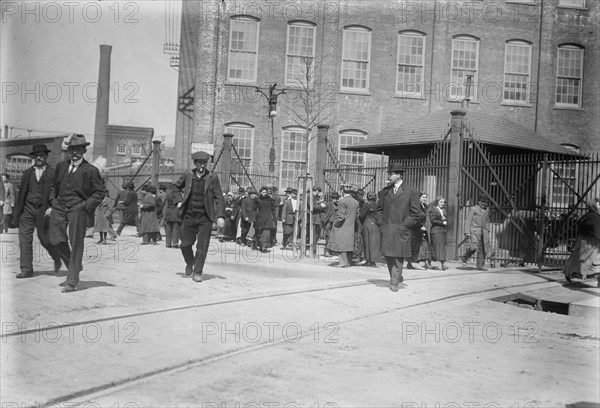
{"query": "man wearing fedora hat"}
(399, 207)
(202, 204)
(77, 190)
(34, 192)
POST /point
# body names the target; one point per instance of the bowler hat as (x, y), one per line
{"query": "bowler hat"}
(482, 198)
(40, 148)
(265, 188)
(288, 190)
(241, 190)
(396, 168)
(151, 189)
(335, 194)
(294, 190)
(317, 188)
(200, 156)
(77, 140)
(251, 190)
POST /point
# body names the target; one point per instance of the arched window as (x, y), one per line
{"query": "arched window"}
(517, 71)
(411, 62)
(293, 154)
(356, 58)
(348, 138)
(465, 62)
(243, 140)
(569, 75)
(300, 54)
(243, 49)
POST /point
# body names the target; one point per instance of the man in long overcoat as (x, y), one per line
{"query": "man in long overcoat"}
(399, 207)
(289, 213)
(342, 232)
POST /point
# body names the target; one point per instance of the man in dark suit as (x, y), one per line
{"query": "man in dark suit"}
(247, 215)
(77, 191)
(202, 205)
(289, 212)
(36, 183)
(172, 220)
(399, 207)
(341, 239)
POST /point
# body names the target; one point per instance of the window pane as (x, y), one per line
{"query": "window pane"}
(568, 81)
(464, 63)
(572, 3)
(355, 59)
(411, 52)
(242, 50)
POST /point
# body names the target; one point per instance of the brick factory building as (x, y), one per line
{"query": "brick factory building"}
(381, 65)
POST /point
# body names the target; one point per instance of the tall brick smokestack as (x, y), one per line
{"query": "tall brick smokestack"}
(102, 102)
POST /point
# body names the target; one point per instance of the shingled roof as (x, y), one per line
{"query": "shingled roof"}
(488, 129)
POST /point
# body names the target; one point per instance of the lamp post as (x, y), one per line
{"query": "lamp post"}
(272, 112)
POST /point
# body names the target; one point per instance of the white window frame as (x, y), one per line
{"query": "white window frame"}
(454, 85)
(569, 3)
(232, 53)
(139, 150)
(119, 152)
(343, 155)
(292, 77)
(571, 47)
(299, 162)
(519, 44)
(345, 61)
(235, 129)
(421, 65)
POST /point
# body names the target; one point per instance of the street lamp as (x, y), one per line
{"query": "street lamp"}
(272, 101)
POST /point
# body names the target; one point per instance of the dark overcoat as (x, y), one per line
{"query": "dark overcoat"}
(170, 208)
(129, 216)
(87, 184)
(342, 232)
(149, 221)
(266, 213)
(399, 213)
(214, 204)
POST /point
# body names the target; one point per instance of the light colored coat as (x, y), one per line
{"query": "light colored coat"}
(342, 232)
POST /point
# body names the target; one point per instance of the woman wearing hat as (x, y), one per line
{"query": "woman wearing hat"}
(264, 222)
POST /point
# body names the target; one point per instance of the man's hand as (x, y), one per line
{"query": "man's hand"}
(48, 211)
(179, 204)
(220, 222)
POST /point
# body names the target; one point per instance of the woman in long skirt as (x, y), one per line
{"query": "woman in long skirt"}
(101, 222)
(149, 223)
(439, 229)
(584, 261)
(370, 219)
(420, 240)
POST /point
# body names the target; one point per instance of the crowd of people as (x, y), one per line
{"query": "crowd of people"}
(393, 226)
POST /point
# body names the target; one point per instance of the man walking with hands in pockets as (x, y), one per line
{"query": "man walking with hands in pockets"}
(77, 191)
(202, 205)
(399, 207)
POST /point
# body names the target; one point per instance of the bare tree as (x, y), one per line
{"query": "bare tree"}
(307, 109)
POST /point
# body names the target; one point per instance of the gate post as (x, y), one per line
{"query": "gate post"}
(541, 244)
(155, 162)
(226, 161)
(321, 159)
(454, 191)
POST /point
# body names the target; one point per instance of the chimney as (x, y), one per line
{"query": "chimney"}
(102, 102)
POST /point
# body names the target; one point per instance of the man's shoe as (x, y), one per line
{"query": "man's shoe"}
(57, 265)
(23, 275)
(410, 266)
(197, 277)
(188, 270)
(68, 289)
(481, 268)
(394, 288)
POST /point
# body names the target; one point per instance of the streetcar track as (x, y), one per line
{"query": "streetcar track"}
(199, 362)
(230, 301)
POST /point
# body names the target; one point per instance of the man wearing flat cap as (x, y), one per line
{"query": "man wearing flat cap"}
(77, 190)
(202, 204)
(477, 228)
(398, 205)
(28, 214)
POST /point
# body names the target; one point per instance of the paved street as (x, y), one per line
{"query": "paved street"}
(271, 330)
